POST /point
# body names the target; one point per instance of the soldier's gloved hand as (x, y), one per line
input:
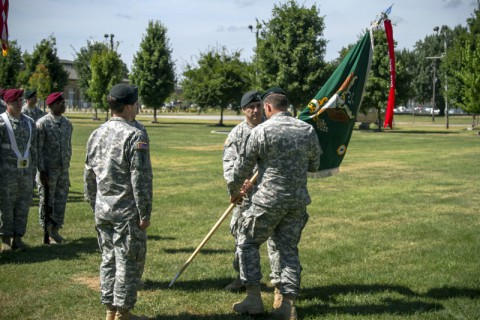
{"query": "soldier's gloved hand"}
(144, 224)
(44, 178)
(247, 186)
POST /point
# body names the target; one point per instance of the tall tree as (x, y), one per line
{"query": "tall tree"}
(45, 53)
(82, 63)
(40, 80)
(290, 51)
(376, 89)
(107, 70)
(10, 66)
(219, 79)
(153, 67)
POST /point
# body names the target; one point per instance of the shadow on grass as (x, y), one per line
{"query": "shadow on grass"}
(70, 250)
(187, 316)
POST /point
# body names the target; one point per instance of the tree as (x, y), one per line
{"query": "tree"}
(45, 53)
(153, 67)
(40, 80)
(10, 66)
(82, 61)
(107, 70)
(219, 80)
(462, 63)
(290, 52)
(378, 83)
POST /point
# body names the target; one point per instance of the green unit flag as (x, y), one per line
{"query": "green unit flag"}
(333, 111)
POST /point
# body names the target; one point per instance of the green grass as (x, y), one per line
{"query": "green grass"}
(394, 235)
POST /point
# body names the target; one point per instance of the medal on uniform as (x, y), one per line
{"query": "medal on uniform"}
(23, 163)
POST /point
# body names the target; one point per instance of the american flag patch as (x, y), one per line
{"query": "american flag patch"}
(142, 145)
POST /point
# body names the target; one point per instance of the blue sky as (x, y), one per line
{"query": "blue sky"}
(194, 26)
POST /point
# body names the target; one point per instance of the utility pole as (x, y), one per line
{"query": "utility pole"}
(257, 29)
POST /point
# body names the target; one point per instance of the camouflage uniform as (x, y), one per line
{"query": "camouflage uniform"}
(284, 149)
(54, 143)
(3, 106)
(34, 113)
(16, 183)
(231, 151)
(118, 186)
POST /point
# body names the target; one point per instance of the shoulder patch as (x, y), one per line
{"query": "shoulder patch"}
(141, 145)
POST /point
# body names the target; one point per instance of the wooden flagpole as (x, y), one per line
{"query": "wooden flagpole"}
(208, 236)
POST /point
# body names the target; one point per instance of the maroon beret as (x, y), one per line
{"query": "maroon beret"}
(54, 97)
(12, 95)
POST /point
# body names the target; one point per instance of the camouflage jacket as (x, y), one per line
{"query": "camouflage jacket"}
(232, 147)
(118, 172)
(284, 148)
(54, 142)
(8, 158)
(34, 113)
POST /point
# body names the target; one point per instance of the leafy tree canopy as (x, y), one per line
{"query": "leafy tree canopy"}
(10, 66)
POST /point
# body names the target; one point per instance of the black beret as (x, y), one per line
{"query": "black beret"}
(124, 93)
(249, 97)
(273, 90)
(30, 93)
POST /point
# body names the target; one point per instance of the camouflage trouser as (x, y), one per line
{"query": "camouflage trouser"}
(123, 246)
(284, 227)
(15, 199)
(58, 186)
(273, 255)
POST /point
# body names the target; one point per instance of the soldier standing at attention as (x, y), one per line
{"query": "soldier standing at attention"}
(30, 108)
(54, 144)
(284, 149)
(118, 186)
(17, 166)
(252, 108)
(3, 104)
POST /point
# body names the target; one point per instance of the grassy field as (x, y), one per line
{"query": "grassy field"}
(394, 235)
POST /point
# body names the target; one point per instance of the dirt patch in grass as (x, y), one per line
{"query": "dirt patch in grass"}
(92, 282)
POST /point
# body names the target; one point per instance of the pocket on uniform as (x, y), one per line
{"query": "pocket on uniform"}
(136, 241)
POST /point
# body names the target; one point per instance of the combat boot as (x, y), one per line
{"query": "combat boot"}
(235, 285)
(18, 244)
(287, 310)
(277, 296)
(55, 235)
(252, 304)
(6, 244)
(111, 311)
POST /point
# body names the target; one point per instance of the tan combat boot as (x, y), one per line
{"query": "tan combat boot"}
(55, 235)
(122, 314)
(6, 244)
(287, 310)
(277, 296)
(252, 304)
(235, 286)
(18, 244)
(111, 311)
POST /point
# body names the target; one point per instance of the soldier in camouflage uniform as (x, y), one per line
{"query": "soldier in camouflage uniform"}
(3, 104)
(252, 108)
(54, 143)
(284, 149)
(17, 166)
(118, 186)
(30, 108)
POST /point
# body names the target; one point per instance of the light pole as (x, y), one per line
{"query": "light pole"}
(257, 29)
(444, 32)
(434, 64)
(111, 40)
